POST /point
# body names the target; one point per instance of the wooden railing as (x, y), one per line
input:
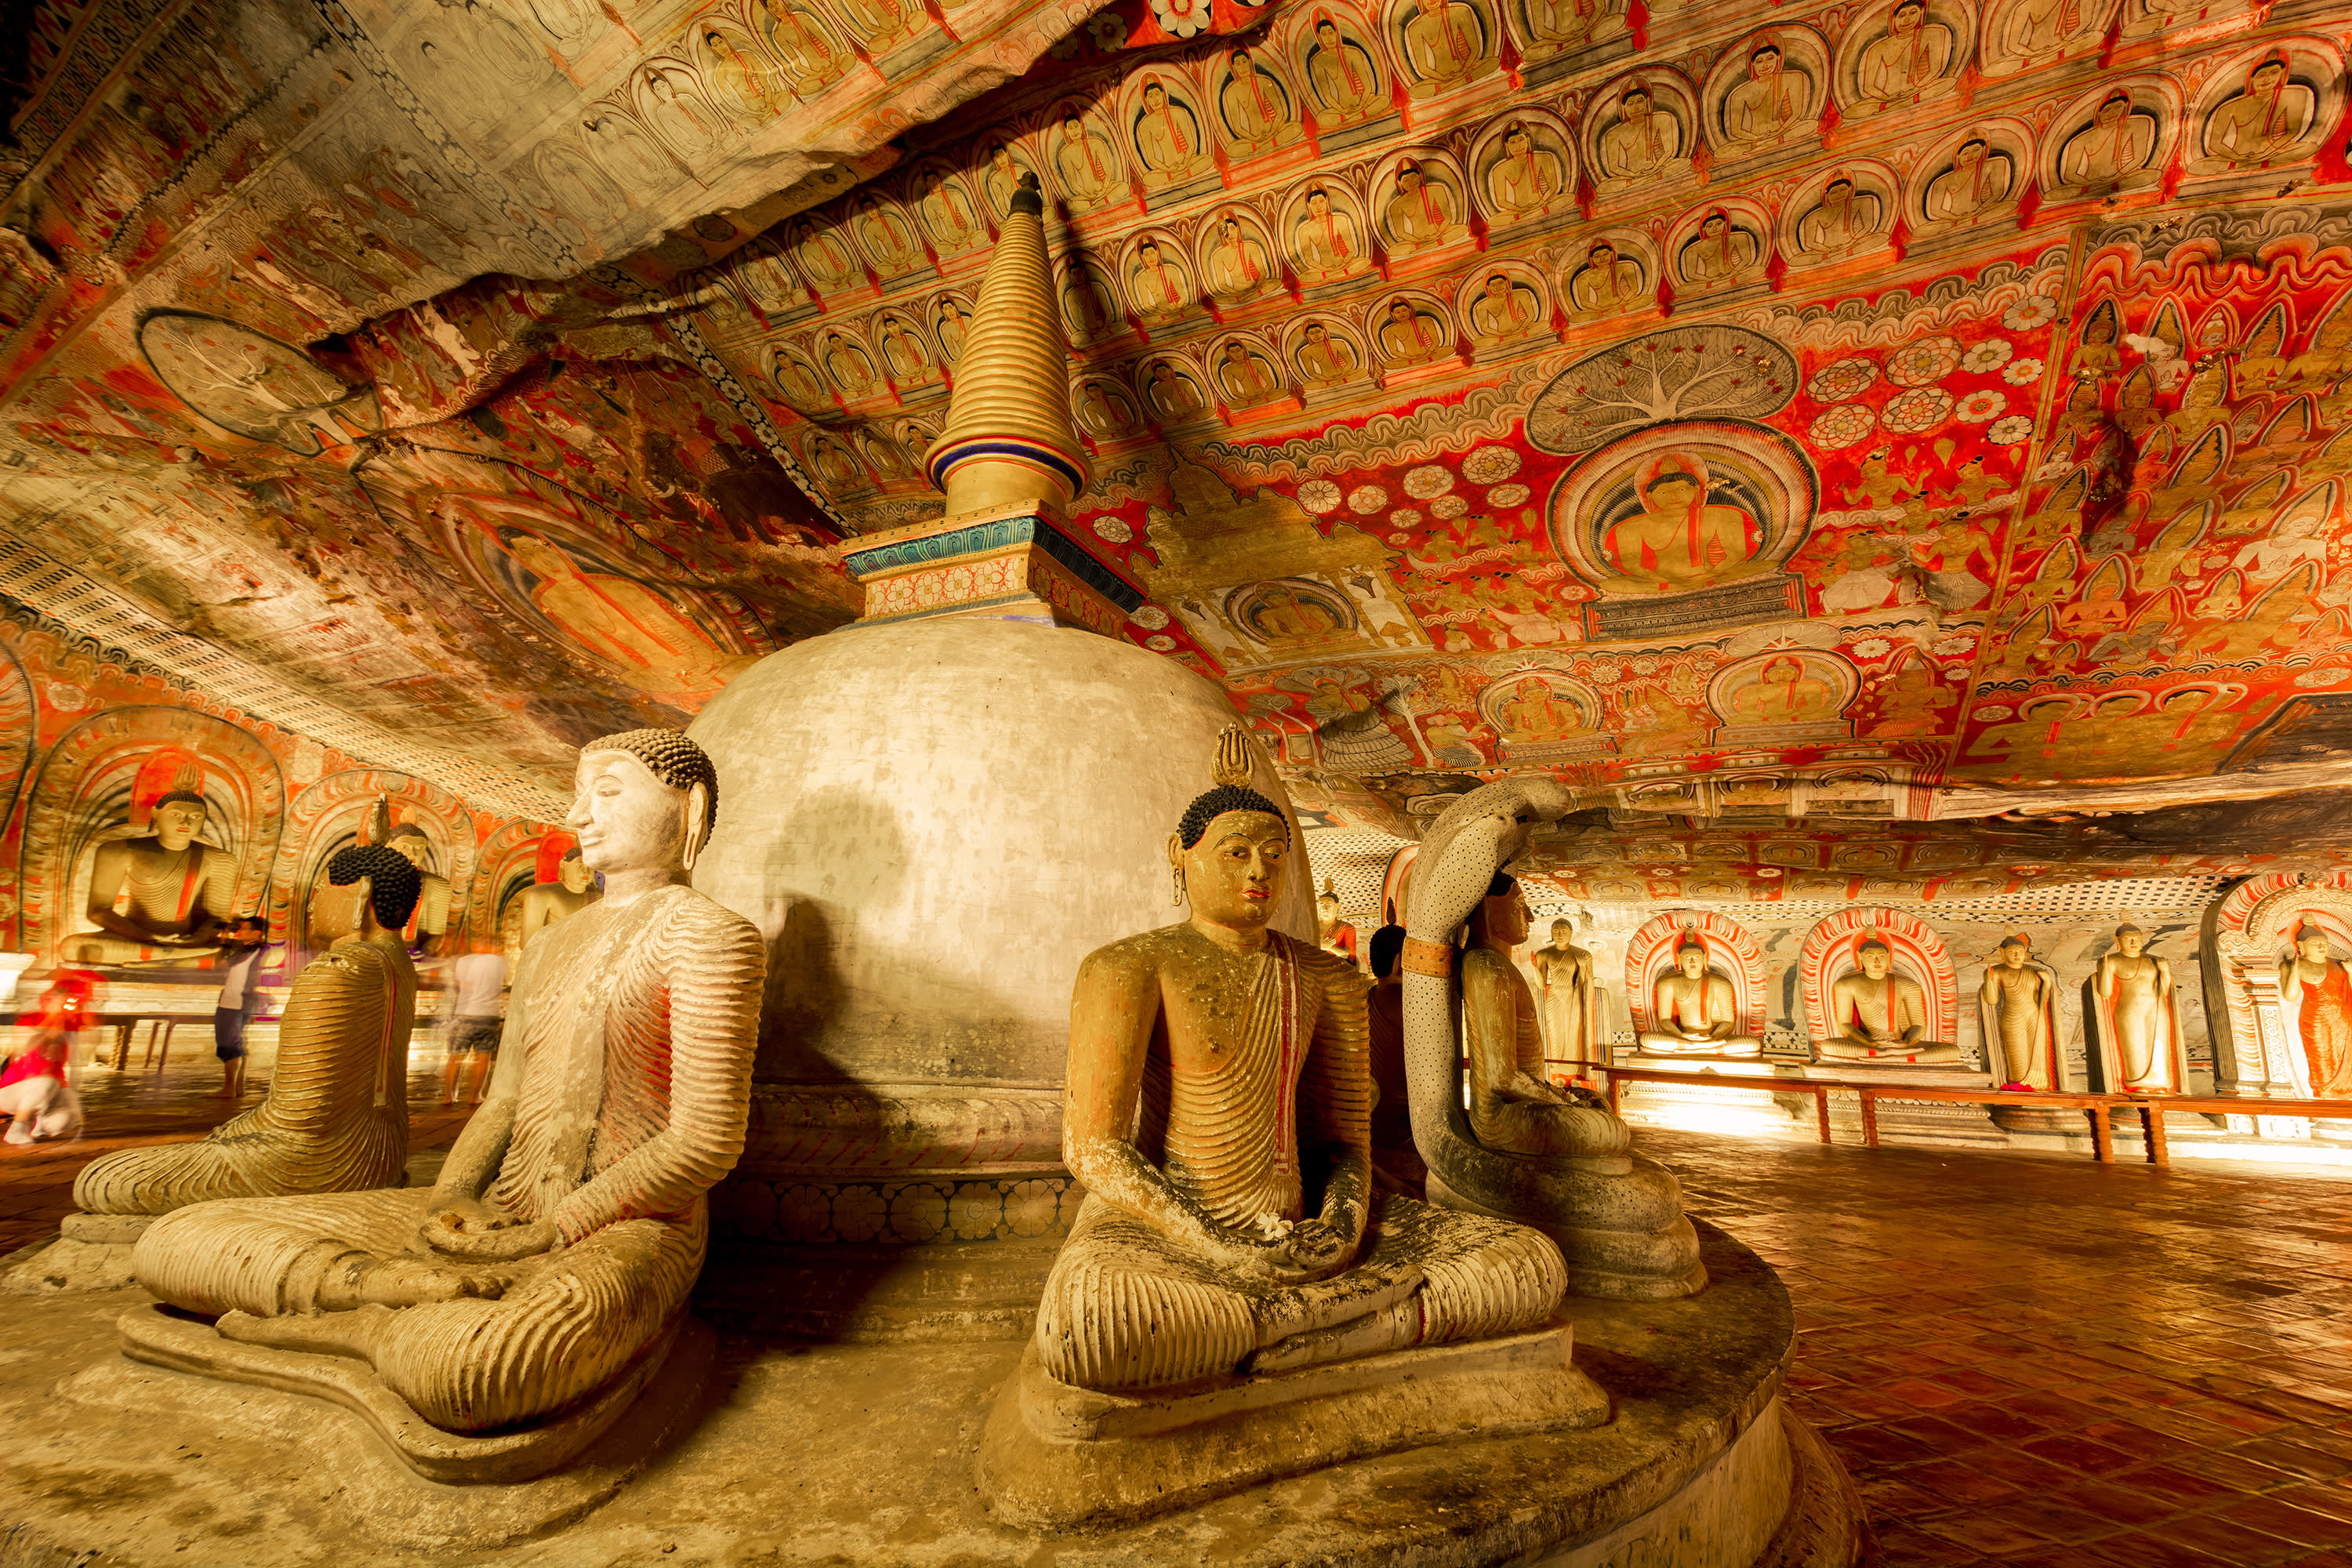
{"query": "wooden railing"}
(2099, 1107)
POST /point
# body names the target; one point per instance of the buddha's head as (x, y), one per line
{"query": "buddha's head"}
(2013, 953)
(1148, 254)
(2112, 109)
(1231, 844)
(408, 842)
(1316, 332)
(539, 558)
(573, 873)
(1970, 154)
(1635, 104)
(1765, 62)
(2311, 944)
(645, 800)
(176, 819)
(1502, 915)
(1318, 201)
(369, 887)
(1155, 98)
(2267, 75)
(1874, 958)
(1690, 956)
(1327, 32)
(1907, 18)
(1409, 178)
(1671, 491)
(1562, 932)
(1600, 256)
(1517, 142)
(1498, 287)
(2130, 941)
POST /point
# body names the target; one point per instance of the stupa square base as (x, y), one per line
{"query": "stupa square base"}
(797, 1455)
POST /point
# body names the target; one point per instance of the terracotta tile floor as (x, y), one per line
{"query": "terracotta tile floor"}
(2046, 1361)
(2023, 1360)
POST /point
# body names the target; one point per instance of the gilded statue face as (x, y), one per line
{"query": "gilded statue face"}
(2012, 955)
(2129, 942)
(174, 825)
(1507, 918)
(1692, 962)
(625, 819)
(1233, 874)
(2313, 949)
(1875, 961)
(412, 849)
(574, 875)
(1561, 930)
(335, 912)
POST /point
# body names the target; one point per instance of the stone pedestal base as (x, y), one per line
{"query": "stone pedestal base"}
(1940, 1121)
(1055, 1456)
(92, 1252)
(813, 1455)
(1739, 1110)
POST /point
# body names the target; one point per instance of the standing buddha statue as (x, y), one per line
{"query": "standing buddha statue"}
(2020, 997)
(2134, 989)
(1572, 1032)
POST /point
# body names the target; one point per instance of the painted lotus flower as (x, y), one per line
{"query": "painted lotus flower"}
(1150, 617)
(2029, 312)
(1990, 355)
(1427, 482)
(2009, 432)
(1489, 464)
(1367, 500)
(1319, 497)
(1507, 495)
(1978, 407)
(1183, 19)
(2023, 371)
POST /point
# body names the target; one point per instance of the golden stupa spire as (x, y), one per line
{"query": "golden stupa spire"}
(1009, 442)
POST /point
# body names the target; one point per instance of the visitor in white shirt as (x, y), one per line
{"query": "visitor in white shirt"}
(240, 999)
(476, 1003)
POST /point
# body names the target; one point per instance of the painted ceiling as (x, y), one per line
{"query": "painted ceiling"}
(1884, 449)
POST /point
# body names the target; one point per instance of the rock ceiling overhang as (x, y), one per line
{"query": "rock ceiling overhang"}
(1787, 426)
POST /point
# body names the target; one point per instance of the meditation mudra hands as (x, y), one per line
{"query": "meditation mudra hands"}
(483, 1232)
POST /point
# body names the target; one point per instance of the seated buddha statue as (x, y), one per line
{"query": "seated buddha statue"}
(430, 919)
(1512, 1106)
(1217, 1114)
(175, 890)
(336, 1117)
(1693, 1010)
(1882, 1015)
(545, 903)
(569, 1222)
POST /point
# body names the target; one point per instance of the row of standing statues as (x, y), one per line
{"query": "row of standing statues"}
(1282, 1170)
(1869, 1011)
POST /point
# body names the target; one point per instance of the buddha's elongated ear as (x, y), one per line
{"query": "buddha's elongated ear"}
(1176, 849)
(697, 822)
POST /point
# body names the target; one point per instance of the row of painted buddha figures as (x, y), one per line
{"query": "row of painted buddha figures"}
(1219, 1108)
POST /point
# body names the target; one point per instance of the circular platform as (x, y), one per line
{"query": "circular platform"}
(809, 1454)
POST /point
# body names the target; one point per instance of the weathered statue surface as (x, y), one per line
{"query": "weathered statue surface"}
(1216, 1112)
(336, 1117)
(546, 903)
(569, 1222)
(1570, 1002)
(1882, 1017)
(1693, 1009)
(175, 890)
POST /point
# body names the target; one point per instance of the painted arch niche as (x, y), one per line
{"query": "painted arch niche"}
(1831, 952)
(327, 817)
(2278, 1012)
(100, 783)
(1731, 951)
